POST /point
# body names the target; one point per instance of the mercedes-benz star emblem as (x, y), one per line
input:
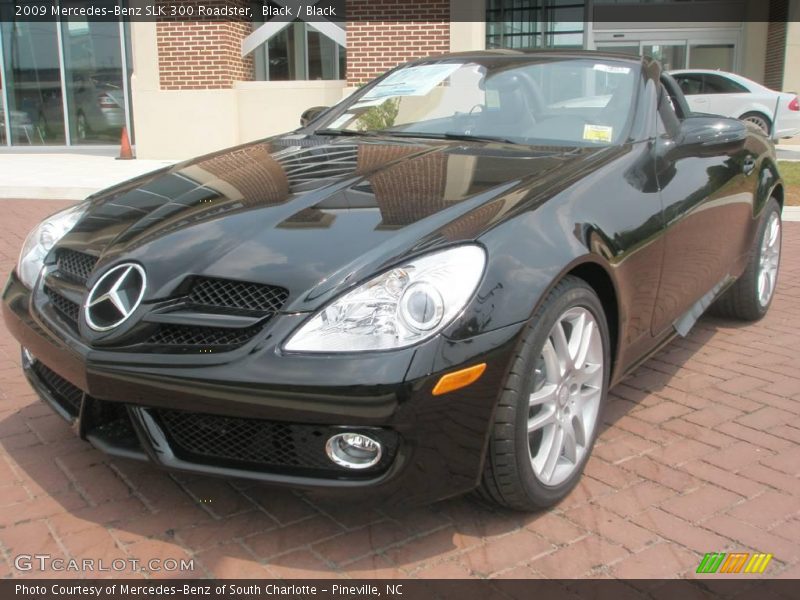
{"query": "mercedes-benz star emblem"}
(115, 297)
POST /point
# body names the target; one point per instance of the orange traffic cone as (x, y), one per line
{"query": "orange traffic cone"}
(125, 152)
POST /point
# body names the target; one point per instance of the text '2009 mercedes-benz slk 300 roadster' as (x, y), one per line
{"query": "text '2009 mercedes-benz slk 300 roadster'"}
(426, 289)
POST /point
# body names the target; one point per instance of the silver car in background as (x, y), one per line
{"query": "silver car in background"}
(731, 95)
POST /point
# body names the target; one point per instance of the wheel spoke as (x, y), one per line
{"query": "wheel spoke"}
(553, 453)
(773, 233)
(579, 427)
(545, 416)
(546, 395)
(551, 364)
(576, 337)
(561, 347)
(587, 334)
(570, 442)
(763, 287)
(588, 374)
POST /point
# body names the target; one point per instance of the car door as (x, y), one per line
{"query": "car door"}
(707, 205)
(725, 96)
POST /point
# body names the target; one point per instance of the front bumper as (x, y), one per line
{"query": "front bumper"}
(256, 413)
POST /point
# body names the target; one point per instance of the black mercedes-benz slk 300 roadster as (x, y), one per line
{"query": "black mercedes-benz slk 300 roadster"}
(428, 288)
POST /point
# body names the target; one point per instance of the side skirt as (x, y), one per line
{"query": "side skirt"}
(683, 325)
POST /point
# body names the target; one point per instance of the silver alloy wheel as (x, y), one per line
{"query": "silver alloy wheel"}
(769, 259)
(760, 121)
(568, 387)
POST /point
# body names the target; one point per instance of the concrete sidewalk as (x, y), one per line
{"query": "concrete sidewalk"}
(788, 151)
(66, 176)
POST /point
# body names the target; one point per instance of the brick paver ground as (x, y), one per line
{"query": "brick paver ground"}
(700, 453)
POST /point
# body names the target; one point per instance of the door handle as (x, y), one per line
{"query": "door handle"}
(748, 165)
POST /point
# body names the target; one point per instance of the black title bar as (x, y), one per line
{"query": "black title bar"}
(342, 11)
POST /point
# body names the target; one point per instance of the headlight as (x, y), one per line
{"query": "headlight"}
(399, 308)
(42, 239)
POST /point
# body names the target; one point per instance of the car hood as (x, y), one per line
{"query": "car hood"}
(312, 214)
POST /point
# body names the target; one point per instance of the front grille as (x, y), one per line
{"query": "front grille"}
(222, 293)
(223, 296)
(75, 265)
(250, 443)
(66, 394)
(65, 306)
(189, 335)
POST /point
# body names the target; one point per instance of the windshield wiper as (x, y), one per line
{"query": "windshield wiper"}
(452, 136)
(346, 132)
(415, 134)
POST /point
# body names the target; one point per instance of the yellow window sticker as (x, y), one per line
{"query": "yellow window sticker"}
(597, 133)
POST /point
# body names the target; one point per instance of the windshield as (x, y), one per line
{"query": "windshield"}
(531, 100)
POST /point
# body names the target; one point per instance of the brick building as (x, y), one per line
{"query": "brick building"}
(183, 88)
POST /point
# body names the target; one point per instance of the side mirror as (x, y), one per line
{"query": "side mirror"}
(312, 114)
(705, 135)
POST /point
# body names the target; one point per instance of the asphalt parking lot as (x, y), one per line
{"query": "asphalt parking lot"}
(700, 453)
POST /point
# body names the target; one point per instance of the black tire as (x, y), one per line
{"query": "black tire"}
(509, 479)
(760, 119)
(741, 300)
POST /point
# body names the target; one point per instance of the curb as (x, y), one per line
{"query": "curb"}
(791, 213)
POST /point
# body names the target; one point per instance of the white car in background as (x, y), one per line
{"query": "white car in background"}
(731, 95)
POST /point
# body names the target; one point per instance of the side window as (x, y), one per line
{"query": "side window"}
(717, 84)
(690, 84)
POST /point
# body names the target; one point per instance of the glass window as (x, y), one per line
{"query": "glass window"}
(691, 84)
(95, 94)
(299, 52)
(322, 55)
(282, 60)
(538, 101)
(671, 56)
(523, 24)
(711, 56)
(33, 83)
(717, 84)
(620, 48)
(66, 74)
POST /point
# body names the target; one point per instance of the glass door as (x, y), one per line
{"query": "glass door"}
(32, 84)
(671, 55)
(675, 49)
(93, 74)
(631, 48)
(64, 83)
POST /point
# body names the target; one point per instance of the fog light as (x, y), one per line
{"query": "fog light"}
(353, 450)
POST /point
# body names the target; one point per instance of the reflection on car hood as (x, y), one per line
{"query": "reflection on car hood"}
(313, 214)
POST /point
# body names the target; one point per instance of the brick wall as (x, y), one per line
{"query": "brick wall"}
(776, 44)
(374, 46)
(201, 54)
